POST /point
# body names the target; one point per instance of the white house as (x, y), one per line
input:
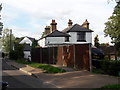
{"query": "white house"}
(79, 34)
(27, 51)
(54, 38)
(27, 40)
(73, 34)
(27, 47)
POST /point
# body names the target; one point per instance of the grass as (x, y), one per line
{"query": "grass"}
(97, 71)
(114, 86)
(47, 68)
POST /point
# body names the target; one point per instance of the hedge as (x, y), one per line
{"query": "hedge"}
(111, 67)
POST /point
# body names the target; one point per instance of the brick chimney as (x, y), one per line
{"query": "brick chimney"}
(47, 30)
(53, 26)
(86, 24)
(70, 23)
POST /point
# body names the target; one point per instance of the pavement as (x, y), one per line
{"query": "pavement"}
(70, 79)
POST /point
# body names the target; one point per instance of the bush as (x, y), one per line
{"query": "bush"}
(111, 67)
(13, 55)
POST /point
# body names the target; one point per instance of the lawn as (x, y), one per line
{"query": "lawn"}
(114, 86)
(46, 67)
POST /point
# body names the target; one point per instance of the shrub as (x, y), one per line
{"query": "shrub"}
(13, 55)
(111, 67)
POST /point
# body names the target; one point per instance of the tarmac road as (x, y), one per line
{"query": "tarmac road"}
(19, 79)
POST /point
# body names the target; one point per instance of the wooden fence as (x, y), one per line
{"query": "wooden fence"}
(76, 56)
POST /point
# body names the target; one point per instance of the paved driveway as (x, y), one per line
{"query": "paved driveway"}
(78, 79)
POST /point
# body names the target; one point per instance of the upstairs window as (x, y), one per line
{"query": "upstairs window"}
(81, 37)
(66, 39)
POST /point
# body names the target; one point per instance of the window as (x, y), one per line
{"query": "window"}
(66, 39)
(81, 37)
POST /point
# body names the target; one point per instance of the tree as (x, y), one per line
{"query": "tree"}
(0, 7)
(1, 24)
(1, 27)
(43, 34)
(17, 52)
(7, 42)
(96, 41)
(112, 27)
(34, 43)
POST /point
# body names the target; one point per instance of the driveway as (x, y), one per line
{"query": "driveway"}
(78, 79)
(72, 79)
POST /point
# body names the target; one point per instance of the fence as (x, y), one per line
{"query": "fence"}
(76, 56)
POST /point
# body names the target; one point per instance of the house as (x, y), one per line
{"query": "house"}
(73, 34)
(27, 41)
(27, 51)
(79, 33)
(109, 51)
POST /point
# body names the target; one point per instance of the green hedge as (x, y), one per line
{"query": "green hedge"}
(111, 67)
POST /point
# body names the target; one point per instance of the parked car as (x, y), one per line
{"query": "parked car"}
(97, 53)
(4, 85)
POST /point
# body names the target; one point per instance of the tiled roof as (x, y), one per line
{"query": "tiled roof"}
(76, 28)
(32, 39)
(108, 49)
(57, 33)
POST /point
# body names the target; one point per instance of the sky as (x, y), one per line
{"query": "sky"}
(29, 17)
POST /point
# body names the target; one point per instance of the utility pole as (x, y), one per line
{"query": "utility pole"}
(10, 39)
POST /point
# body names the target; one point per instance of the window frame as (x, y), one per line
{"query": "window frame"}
(81, 36)
(67, 39)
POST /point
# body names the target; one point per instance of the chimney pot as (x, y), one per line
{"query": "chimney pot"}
(53, 26)
(70, 22)
(86, 24)
(47, 30)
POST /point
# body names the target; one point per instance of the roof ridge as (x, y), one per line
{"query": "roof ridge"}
(58, 33)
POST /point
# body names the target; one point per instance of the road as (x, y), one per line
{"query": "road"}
(19, 79)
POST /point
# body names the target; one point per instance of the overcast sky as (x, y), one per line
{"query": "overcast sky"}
(29, 17)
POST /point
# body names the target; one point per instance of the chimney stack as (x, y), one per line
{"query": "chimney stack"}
(86, 24)
(47, 30)
(70, 23)
(53, 26)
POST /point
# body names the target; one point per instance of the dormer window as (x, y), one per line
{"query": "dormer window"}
(66, 39)
(81, 37)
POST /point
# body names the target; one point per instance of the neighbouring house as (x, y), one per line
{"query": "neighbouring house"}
(73, 34)
(27, 51)
(109, 51)
(27, 41)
